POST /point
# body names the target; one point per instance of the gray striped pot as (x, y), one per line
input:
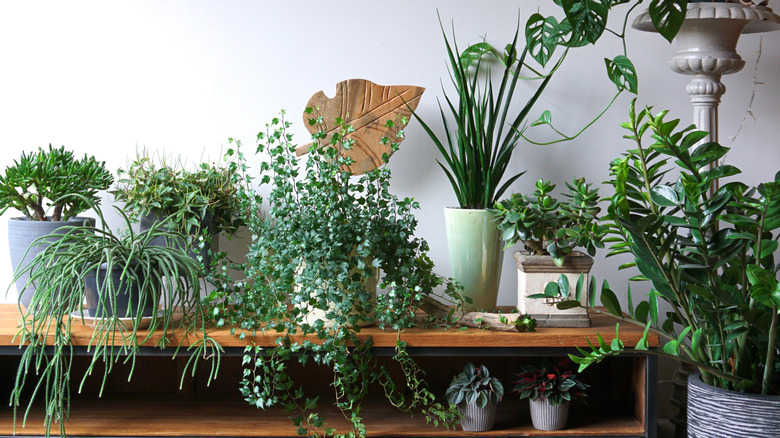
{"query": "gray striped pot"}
(22, 234)
(545, 416)
(720, 413)
(476, 419)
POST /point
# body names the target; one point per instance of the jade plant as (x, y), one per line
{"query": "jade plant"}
(52, 184)
(163, 280)
(326, 238)
(547, 226)
(706, 245)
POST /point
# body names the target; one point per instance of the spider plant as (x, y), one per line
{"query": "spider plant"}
(165, 278)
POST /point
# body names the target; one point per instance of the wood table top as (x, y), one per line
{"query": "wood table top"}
(604, 325)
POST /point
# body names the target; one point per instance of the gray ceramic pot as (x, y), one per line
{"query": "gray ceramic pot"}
(715, 412)
(545, 416)
(22, 234)
(476, 419)
(197, 254)
(125, 300)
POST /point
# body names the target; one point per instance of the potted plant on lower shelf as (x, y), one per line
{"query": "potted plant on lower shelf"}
(316, 258)
(476, 394)
(707, 247)
(136, 295)
(549, 389)
(550, 230)
(199, 203)
(50, 187)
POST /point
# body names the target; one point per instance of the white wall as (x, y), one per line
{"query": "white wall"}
(182, 76)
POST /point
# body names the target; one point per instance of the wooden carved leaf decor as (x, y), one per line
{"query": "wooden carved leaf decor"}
(367, 107)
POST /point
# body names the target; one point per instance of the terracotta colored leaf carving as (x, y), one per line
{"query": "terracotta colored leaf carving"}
(367, 107)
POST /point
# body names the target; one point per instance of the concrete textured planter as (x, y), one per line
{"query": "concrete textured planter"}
(716, 412)
(476, 419)
(545, 416)
(533, 274)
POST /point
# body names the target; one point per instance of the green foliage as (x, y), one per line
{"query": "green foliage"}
(554, 382)
(707, 249)
(166, 278)
(525, 323)
(474, 385)
(549, 227)
(52, 178)
(326, 234)
(185, 197)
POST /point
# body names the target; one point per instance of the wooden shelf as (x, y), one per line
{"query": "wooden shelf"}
(622, 401)
(414, 337)
(207, 416)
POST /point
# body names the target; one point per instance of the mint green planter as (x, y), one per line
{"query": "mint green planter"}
(474, 245)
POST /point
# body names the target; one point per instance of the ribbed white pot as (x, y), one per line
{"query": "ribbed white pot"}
(476, 419)
(545, 416)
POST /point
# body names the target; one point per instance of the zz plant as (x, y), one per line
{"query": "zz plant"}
(165, 279)
(326, 235)
(52, 184)
(707, 248)
(547, 226)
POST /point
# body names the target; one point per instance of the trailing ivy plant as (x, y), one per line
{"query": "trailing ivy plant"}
(166, 279)
(327, 235)
(707, 248)
(52, 184)
(547, 226)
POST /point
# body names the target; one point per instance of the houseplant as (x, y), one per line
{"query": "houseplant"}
(476, 394)
(706, 247)
(482, 130)
(549, 230)
(326, 235)
(549, 388)
(50, 187)
(153, 282)
(198, 203)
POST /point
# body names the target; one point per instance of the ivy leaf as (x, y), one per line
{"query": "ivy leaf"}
(622, 73)
(668, 16)
(475, 52)
(541, 35)
(587, 17)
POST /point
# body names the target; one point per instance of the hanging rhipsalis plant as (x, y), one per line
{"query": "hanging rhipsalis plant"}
(317, 257)
(119, 283)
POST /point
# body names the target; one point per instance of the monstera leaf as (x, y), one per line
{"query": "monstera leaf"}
(367, 107)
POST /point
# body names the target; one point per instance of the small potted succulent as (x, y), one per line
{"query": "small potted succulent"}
(549, 387)
(50, 187)
(476, 395)
(198, 203)
(550, 230)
